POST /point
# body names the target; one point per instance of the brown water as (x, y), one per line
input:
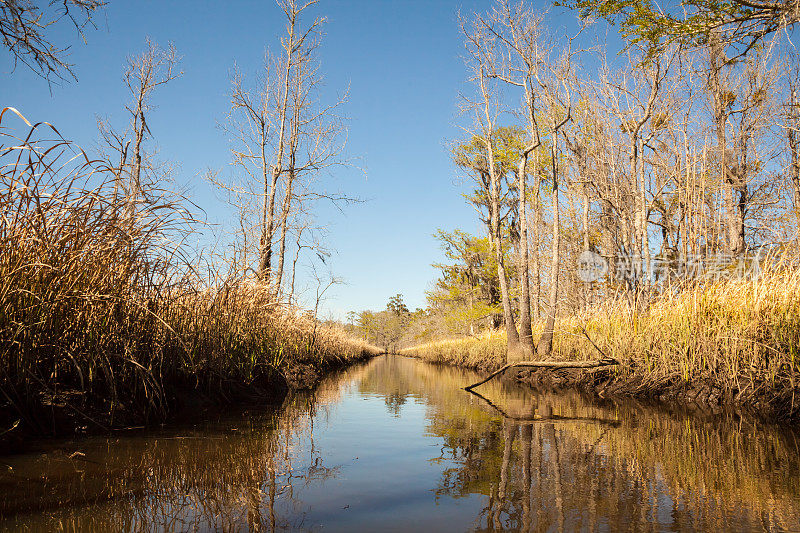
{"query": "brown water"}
(395, 445)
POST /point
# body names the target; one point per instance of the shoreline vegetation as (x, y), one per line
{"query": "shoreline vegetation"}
(646, 206)
(728, 342)
(602, 186)
(119, 304)
(106, 322)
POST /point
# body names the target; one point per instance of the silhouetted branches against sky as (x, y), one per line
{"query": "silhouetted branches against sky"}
(25, 29)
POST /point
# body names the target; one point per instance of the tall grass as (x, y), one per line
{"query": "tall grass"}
(486, 351)
(102, 317)
(733, 338)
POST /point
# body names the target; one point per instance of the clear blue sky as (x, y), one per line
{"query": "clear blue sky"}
(403, 64)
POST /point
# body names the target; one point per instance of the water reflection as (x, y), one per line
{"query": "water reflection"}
(550, 462)
(225, 475)
(395, 444)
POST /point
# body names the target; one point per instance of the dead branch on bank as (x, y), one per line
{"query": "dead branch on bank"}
(607, 361)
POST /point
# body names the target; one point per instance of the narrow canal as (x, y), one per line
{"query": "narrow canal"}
(396, 445)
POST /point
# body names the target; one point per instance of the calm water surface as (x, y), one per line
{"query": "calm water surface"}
(395, 445)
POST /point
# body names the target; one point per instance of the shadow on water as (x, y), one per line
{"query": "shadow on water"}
(395, 444)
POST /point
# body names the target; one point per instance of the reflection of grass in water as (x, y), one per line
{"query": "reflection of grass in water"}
(741, 336)
(229, 479)
(727, 460)
(221, 478)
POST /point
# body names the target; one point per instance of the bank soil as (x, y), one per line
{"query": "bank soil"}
(60, 415)
(756, 398)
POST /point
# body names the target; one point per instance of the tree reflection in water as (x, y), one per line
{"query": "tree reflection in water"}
(558, 462)
(505, 459)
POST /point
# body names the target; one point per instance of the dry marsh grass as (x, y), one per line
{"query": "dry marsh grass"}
(738, 338)
(101, 314)
(486, 351)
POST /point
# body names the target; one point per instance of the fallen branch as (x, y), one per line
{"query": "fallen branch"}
(606, 361)
(13, 426)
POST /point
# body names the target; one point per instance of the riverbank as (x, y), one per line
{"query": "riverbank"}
(177, 369)
(109, 319)
(728, 342)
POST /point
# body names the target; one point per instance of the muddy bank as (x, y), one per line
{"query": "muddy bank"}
(704, 395)
(603, 383)
(65, 414)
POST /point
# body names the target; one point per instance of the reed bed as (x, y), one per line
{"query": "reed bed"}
(486, 351)
(724, 340)
(104, 320)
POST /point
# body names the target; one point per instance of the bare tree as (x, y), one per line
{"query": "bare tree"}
(547, 83)
(24, 28)
(480, 45)
(294, 48)
(516, 29)
(508, 46)
(251, 123)
(741, 111)
(721, 100)
(792, 127)
(144, 74)
(557, 88)
(634, 97)
(284, 140)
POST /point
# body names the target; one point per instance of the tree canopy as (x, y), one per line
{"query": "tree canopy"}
(742, 23)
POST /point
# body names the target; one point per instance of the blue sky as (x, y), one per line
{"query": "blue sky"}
(403, 64)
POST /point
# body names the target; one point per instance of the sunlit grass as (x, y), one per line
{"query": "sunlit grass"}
(484, 351)
(738, 336)
(102, 313)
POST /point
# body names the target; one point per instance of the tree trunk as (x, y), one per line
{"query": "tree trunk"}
(268, 221)
(287, 205)
(294, 139)
(609, 242)
(644, 237)
(525, 333)
(514, 350)
(136, 170)
(545, 346)
(595, 363)
(586, 246)
(585, 219)
(794, 150)
(268, 216)
(721, 101)
(139, 127)
(537, 224)
(636, 239)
